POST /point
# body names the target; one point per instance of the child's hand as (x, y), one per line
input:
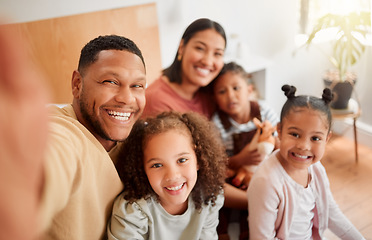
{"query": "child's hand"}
(243, 177)
(250, 157)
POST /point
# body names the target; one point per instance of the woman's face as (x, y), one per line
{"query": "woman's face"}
(202, 57)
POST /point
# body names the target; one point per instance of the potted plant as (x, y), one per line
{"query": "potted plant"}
(348, 47)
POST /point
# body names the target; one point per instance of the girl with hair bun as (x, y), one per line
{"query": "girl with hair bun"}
(289, 195)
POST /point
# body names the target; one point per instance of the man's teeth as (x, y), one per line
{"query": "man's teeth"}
(122, 116)
(300, 156)
(175, 188)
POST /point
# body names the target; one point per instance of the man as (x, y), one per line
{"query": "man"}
(79, 179)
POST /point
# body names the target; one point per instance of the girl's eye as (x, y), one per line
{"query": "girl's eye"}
(295, 135)
(182, 160)
(315, 138)
(156, 165)
(236, 88)
(221, 92)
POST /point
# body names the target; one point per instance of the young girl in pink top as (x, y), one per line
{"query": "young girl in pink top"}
(289, 196)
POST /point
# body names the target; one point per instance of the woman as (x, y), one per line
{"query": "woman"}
(198, 61)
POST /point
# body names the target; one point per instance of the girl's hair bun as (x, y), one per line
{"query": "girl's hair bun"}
(327, 95)
(289, 91)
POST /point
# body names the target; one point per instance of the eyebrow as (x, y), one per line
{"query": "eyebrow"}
(295, 128)
(114, 74)
(177, 155)
(219, 49)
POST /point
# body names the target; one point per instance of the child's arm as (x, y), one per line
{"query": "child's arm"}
(235, 197)
(210, 224)
(263, 202)
(245, 157)
(127, 221)
(338, 223)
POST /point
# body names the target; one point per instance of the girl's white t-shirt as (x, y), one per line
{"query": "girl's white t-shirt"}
(303, 219)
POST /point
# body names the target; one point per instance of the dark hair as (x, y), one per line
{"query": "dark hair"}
(90, 51)
(306, 101)
(209, 150)
(174, 71)
(235, 68)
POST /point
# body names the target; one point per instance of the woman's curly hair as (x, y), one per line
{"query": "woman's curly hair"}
(209, 151)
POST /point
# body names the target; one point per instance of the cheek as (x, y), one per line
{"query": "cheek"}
(219, 64)
(153, 179)
(141, 99)
(220, 99)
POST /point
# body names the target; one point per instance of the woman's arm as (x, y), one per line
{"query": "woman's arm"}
(235, 197)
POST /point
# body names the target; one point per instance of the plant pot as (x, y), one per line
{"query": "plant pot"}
(342, 92)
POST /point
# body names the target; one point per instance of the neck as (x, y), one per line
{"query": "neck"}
(185, 90)
(301, 176)
(243, 117)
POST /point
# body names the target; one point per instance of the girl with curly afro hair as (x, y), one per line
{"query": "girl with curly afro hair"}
(173, 169)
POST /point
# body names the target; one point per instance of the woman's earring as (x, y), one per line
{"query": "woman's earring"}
(179, 57)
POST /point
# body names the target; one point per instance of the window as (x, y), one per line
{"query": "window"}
(311, 10)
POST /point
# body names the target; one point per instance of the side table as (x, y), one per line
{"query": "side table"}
(352, 112)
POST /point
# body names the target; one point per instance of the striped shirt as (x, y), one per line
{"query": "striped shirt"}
(227, 135)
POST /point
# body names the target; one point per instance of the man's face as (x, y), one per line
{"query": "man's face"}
(109, 96)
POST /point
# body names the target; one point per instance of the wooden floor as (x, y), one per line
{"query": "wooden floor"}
(351, 183)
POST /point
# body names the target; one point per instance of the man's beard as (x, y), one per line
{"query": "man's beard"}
(94, 124)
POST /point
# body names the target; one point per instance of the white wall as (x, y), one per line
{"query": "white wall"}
(266, 27)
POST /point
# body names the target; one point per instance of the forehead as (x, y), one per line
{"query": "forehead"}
(119, 59)
(230, 78)
(209, 37)
(171, 139)
(306, 118)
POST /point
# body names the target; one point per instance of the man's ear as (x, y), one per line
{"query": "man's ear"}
(76, 83)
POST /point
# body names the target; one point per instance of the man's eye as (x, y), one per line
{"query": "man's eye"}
(109, 82)
(137, 86)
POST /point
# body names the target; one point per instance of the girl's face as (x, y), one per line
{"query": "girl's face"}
(232, 93)
(202, 57)
(303, 136)
(171, 167)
